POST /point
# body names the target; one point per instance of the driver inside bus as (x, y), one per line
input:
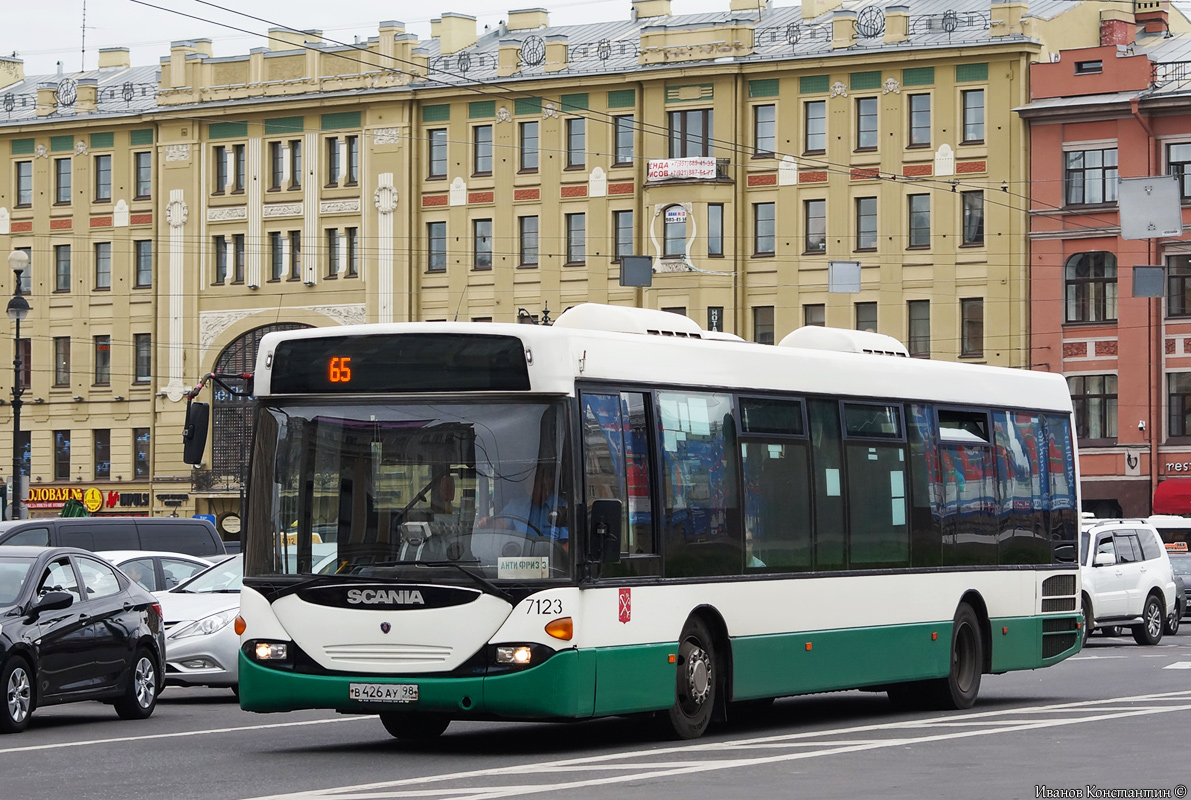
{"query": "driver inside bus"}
(540, 513)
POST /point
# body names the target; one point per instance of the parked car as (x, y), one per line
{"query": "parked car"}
(196, 537)
(156, 572)
(73, 627)
(201, 644)
(1127, 578)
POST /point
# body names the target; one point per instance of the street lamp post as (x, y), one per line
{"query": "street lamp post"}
(18, 309)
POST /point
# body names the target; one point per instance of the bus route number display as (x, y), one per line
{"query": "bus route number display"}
(340, 369)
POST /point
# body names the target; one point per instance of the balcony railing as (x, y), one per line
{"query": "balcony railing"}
(209, 480)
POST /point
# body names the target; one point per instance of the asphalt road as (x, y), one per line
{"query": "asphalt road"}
(1116, 717)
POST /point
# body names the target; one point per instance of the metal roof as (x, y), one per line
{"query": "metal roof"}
(122, 91)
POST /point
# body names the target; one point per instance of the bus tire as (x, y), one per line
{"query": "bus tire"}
(959, 689)
(1088, 622)
(412, 726)
(696, 679)
(1149, 632)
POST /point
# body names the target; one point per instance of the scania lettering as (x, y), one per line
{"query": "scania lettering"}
(623, 513)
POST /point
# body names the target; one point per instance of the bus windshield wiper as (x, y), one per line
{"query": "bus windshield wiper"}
(475, 576)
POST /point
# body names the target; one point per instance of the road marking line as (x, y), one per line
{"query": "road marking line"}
(1179, 665)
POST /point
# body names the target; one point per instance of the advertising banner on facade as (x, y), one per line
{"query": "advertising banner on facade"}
(664, 169)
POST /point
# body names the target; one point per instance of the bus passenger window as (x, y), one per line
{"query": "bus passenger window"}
(777, 496)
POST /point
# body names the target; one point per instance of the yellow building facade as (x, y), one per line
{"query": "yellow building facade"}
(761, 156)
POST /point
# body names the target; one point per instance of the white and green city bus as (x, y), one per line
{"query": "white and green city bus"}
(624, 513)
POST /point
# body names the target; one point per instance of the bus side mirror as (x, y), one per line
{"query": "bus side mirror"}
(194, 434)
(605, 531)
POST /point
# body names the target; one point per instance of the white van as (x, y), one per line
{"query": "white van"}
(1127, 578)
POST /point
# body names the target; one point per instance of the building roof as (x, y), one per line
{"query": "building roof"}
(122, 91)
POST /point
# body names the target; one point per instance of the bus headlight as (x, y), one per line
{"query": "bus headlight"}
(271, 651)
(520, 655)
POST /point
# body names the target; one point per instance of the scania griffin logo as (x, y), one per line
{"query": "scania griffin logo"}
(385, 627)
(399, 597)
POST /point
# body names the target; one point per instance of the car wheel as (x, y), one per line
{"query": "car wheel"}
(1173, 622)
(959, 689)
(1150, 630)
(696, 682)
(17, 680)
(1087, 622)
(140, 698)
(414, 726)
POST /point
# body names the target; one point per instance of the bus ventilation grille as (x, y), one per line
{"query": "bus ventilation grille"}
(679, 334)
(1059, 625)
(1058, 585)
(1058, 604)
(1056, 644)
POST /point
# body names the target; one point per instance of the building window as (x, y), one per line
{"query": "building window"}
(333, 164)
(143, 169)
(103, 361)
(140, 452)
(622, 243)
(61, 455)
(481, 237)
(103, 178)
(276, 256)
(920, 120)
(295, 163)
(61, 180)
(866, 123)
(763, 324)
(576, 142)
(764, 229)
(690, 133)
(973, 223)
(919, 208)
(715, 230)
(143, 253)
(866, 223)
(1179, 401)
(220, 259)
(241, 257)
(482, 150)
(61, 360)
(61, 268)
(1091, 176)
(529, 146)
(436, 246)
(353, 252)
(24, 184)
(764, 130)
(239, 175)
(866, 317)
(220, 158)
(353, 159)
(276, 165)
(295, 255)
(437, 144)
(528, 238)
(576, 238)
(143, 354)
(332, 252)
(1178, 286)
(816, 126)
(973, 104)
(103, 265)
(102, 440)
(918, 313)
(622, 134)
(1095, 401)
(815, 218)
(972, 327)
(1178, 159)
(26, 356)
(1090, 284)
(674, 232)
(814, 315)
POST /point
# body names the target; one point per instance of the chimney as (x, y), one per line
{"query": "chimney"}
(88, 97)
(897, 24)
(815, 8)
(527, 19)
(114, 57)
(256, 64)
(389, 31)
(556, 53)
(1117, 26)
(47, 98)
(508, 58)
(420, 56)
(1154, 14)
(288, 39)
(646, 9)
(457, 32)
(180, 53)
(843, 29)
(12, 70)
(1006, 17)
(747, 5)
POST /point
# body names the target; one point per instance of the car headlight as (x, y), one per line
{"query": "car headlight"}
(207, 625)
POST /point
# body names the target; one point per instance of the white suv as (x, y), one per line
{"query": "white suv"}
(1127, 578)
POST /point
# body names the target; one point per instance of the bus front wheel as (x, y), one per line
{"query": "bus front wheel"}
(696, 681)
(413, 726)
(959, 689)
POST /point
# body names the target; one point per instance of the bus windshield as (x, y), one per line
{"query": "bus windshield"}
(412, 491)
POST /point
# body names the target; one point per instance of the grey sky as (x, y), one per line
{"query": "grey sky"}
(43, 33)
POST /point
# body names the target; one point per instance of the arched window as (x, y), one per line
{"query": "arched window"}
(231, 416)
(1091, 287)
(675, 221)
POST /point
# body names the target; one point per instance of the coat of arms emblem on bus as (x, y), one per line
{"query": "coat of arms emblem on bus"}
(626, 605)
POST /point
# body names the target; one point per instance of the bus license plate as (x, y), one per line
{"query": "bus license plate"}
(383, 692)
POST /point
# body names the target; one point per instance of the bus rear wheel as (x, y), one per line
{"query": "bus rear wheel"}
(412, 726)
(696, 682)
(959, 689)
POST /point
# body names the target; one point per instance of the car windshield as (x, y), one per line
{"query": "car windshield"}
(226, 576)
(1181, 564)
(13, 572)
(423, 491)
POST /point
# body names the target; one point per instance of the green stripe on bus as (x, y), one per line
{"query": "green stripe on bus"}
(638, 678)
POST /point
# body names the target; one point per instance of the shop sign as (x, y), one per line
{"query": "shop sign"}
(665, 169)
(1177, 466)
(92, 498)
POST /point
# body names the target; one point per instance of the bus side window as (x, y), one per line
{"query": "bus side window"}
(777, 497)
(827, 462)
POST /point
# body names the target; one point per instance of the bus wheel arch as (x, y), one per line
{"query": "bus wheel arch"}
(966, 653)
(975, 601)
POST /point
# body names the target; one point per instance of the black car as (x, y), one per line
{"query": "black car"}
(73, 627)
